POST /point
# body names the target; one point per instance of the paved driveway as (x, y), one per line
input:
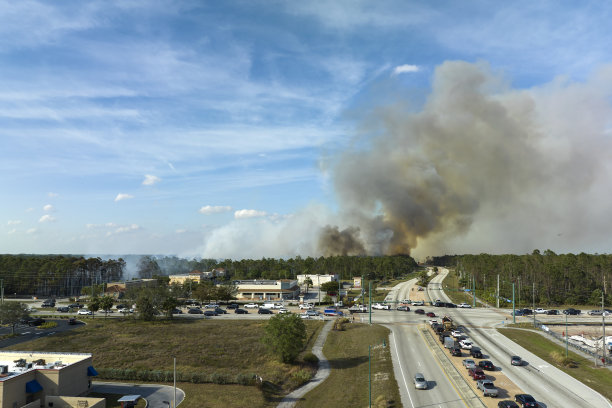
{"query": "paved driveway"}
(157, 396)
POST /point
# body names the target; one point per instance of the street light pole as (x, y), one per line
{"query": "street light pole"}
(566, 350)
(174, 403)
(370, 307)
(370, 374)
(513, 305)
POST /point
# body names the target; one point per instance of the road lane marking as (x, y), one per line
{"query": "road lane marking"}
(401, 368)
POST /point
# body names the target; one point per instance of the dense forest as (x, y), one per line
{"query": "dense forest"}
(67, 275)
(546, 278)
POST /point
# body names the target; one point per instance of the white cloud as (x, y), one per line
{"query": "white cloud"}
(402, 69)
(52, 195)
(249, 214)
(48, 208)
(213, 209)
(29, 209)
(181, 231)
(124, 229)
(122, 196)
(107, 225)
(12, 231)
(150, 180)
(32, 231)
(14, 222)
(46, 218)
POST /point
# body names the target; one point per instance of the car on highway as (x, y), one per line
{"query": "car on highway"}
(518, 312)
(476, 373)
(476, 352)
(486, 365)
(438, 303)
(572, 311)
(380, 306)
(419, 311)
(466, 344)
(527, 311)
(282, 310)
(194, 310)
(507, 404)
(407, 301)
(450, 304)
(419, 382)
(464, 305)
(456, 352)
(526, 401)
(312, 313)
(210, 313)
(84, 312)
(597, 313)
(241, 311)
(539, 310)
(468, 363)
(487, 387)
(456, 333)
(232, 306)
(516, 361)
(63, 309)
(265, 311)
(431, 314)
(403, 308)
(552, 312)
(251, 306)
(418, 303)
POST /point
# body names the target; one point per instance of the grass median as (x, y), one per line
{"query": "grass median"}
(599, 379)
(204, 348)
(347, 385)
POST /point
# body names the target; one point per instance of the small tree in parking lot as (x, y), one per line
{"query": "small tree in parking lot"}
(12, 313)
(106, 303)
(285, 335)
(94, 305)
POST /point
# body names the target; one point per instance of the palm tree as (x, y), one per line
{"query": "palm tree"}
(308, 283)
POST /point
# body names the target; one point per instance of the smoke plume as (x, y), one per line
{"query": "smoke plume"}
(481, 167)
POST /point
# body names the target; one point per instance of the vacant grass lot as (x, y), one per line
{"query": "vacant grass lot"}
(200, 346)
(347, 385)
(598, 379)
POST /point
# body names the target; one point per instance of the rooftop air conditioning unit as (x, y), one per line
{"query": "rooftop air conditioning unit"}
(3, 369)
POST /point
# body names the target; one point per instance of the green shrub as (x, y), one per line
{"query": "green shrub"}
(310, 358)
(48, 325)
(300, 377)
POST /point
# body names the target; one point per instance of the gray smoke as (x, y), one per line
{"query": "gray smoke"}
(512, 163)
(332, 241)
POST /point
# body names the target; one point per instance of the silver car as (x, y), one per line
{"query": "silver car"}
(419, 381)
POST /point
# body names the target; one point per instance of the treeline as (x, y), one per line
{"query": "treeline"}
(55, 275)
(546, 278)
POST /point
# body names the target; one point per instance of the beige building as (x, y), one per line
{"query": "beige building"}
(27, 377)
(267, 289)
(196, 276)
(317, 280)
(114, 288)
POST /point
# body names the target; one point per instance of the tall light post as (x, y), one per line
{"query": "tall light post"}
(513, 306)
(566, 350)
(370, 375)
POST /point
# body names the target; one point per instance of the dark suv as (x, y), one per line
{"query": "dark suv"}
(526, 401)
(475, 352)
(507, 404)
(571, 311)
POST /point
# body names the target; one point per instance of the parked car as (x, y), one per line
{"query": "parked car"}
(77, 306)
(48, 303)
(84, 312)
(265, 311)
(526, 401)
(283, 311)
(516, 361)
(468, 363)
(194, 310)
(456, 352)
(210, 313)
(63, 309)
(487, 387)
(476, 373)
(177, 311)
(251, 306)
(241, 311)
(72, 321)
(306, 306)
(486, 365)
(431, 314)
(211, 306)
(403, 308)
(507, 404)
(475, 352)
(312, 313)
(419, 311)
(464, 305)
(572, 311)
(419, 382)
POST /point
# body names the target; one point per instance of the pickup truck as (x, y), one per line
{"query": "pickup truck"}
(358, 309)
(380, 306)
(487, 387)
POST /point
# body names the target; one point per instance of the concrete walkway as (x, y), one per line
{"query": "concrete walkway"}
(322, 373)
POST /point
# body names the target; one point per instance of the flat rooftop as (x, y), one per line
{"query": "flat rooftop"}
(13, 363)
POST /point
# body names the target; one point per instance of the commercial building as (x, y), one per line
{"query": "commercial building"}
(317, 280)
(37, 379)
(267, 289)
(196, 276)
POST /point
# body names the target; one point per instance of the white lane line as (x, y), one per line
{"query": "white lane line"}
(401, 369)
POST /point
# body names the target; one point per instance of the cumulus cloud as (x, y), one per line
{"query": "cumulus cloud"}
(31, 231)
(52, 195)
(123, 229)
(213, 209)
(249, 214)
(46, 218)
(150, 180)
(106, 225)
(181, 231)
(48, 208)
(407, 68)
(14, 222)
(123, 196)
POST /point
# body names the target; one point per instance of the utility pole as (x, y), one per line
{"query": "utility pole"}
(566, 350)
(174, 403)
(533, 301)
(2, 291)
(603, 340)
(370, 374)
(497, 291)
(473, 291)
(370, 308)
(513, 309)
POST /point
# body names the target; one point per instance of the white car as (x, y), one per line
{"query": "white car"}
(306, 306)
(466, 344)
(539, 310)
(465, 305)
(251, 306)
(84, 312)
(418, 303)
(456, 333)
(304, 315)
(380, 306)
(283, 310)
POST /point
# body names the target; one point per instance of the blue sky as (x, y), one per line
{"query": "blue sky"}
(207, 128)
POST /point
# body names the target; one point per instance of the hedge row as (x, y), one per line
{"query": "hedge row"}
(168, 376)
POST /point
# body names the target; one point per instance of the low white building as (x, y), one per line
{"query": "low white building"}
(267, 289)
(317, 280)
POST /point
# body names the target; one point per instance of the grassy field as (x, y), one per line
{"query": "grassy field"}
(200, 346)
(599, 379)
(452, 290)
(347, 385)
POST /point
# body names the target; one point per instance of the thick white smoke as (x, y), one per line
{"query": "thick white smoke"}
(481, 167)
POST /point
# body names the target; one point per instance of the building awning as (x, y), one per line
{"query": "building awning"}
(33, 386)
(91, 372)
(129, 398)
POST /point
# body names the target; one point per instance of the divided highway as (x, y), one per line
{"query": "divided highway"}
(411, 354)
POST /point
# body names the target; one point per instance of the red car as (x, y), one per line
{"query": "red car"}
(476, 374)
(431, 314)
